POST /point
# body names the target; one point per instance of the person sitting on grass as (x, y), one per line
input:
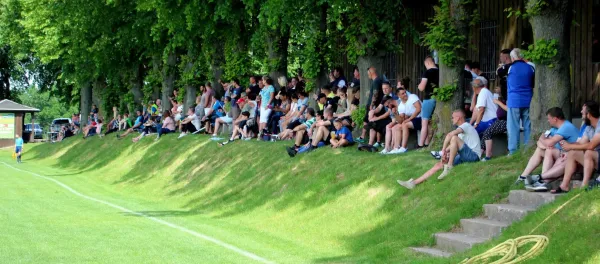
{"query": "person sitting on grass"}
(346, 106)
(322, 130)
(190, 124)
(300, 131)
(379, 118)
(239, 125)
(227, 118)
(484, 114)
(125, 122)
(576, 154)
(409, 112)
(113, 125)
(93, 128)
(297, 118)
(290, 115)
(460, 146)
(281, 108)
(549, 151)
(217, 110)
(498, 128)
(167, 126)
(137, 125)
(343, 135)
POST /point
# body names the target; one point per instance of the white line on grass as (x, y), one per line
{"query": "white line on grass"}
(183, 229)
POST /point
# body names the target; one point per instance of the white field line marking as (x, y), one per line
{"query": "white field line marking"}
(183, 229)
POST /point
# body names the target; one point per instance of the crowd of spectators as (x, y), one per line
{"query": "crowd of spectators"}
(271, 111)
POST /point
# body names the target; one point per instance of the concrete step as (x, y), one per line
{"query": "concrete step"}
(434, 252)
(507, 213)
(483, 228)
(456, 242)
(531, 199)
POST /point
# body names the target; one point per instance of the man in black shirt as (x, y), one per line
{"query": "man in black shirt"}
(429, 81)
(377, 90)
(253, 87)
(502, 71)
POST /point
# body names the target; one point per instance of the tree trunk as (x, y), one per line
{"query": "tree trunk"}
(443, 110)
(137, 82)
(216, 66)
(157, 65)
(98, 90)
(278, 54)
(168, 73)
(85, 94)
(552, 84)
(5, 84)
(461, 15)
(190, 89)
(364, 62)
(322, 77)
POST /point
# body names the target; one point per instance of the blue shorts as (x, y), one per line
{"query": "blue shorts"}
(483, 126)
(18, 149)
(416, 122)
(427, 109)
(465, 154)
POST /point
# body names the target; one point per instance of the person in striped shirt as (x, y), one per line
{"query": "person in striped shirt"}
(300, 130)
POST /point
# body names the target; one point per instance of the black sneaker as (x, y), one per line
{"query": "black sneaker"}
(291, 151)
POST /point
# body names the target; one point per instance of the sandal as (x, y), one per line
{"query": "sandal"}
(558, 191)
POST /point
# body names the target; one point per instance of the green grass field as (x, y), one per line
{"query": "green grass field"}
(328, 206)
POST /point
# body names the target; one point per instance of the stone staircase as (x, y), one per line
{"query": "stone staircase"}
(478, 230)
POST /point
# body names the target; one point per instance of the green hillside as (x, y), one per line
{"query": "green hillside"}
(340, 206)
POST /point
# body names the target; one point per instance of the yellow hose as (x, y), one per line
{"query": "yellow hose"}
(509, 251)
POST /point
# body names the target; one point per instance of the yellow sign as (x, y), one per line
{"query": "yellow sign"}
(7, 125)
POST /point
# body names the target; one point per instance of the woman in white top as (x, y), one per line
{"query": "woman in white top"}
(267, 94)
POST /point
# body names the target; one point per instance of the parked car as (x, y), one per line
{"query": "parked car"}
(38, 131)
(59, 122)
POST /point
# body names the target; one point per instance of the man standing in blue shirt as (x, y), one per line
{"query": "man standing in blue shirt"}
(18, 147)
(520, 91)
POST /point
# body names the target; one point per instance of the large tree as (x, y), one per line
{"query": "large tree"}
(551, 23)
(448, 34)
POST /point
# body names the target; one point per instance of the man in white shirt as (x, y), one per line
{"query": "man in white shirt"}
(412, 110)
(461, 145)
(484, 114)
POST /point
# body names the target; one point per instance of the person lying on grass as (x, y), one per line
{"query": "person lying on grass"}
(460, 146)
(549, 150)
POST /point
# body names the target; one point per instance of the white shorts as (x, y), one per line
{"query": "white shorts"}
(264, 115)
(226, 119)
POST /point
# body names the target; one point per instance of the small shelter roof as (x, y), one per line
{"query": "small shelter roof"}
(10, 106)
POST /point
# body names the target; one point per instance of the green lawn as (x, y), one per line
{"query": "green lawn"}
(339, 206)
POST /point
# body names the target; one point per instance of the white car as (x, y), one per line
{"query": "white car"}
(59, 122)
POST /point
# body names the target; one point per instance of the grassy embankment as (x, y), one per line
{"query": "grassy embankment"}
(325, 206)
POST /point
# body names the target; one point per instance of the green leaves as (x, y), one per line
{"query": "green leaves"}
(443, 36)
(543, 52)
(445, 92)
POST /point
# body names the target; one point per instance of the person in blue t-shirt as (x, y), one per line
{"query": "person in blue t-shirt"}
(343, 135)
(548, 148)
(18, 147)
(520, 91)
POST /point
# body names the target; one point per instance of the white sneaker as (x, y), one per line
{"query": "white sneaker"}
(436, 154)
(402, 150)
(407, 184)
(445, 172)
(394, 151)
(246, 139)
(182, 135)
(384, 152)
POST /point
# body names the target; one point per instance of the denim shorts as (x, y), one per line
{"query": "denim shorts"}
(427, 109)
(465, 154)
(18, 149)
